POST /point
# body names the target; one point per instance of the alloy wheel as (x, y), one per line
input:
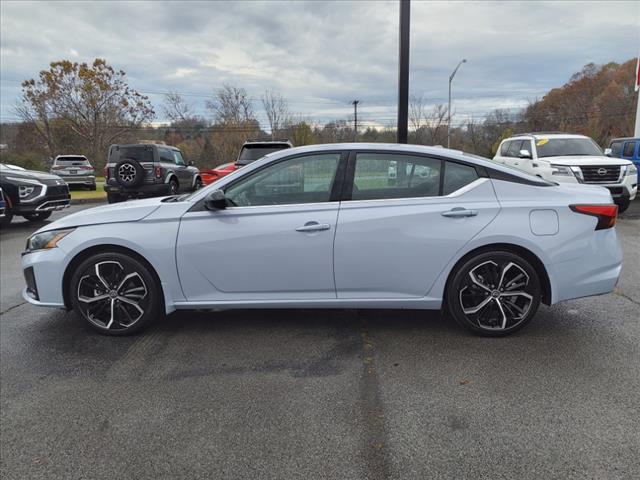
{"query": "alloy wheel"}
(112, 297)
(127, 172)
(496, 296)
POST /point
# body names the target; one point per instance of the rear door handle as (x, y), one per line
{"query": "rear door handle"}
(459, 212)
(313, 227)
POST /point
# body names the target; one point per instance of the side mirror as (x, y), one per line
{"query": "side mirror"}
(607, 152)
(191, 164)
(525, 154)
(215, 201)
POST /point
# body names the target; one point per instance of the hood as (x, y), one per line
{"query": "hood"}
(46, 178)
(114, 213)
(586, 160)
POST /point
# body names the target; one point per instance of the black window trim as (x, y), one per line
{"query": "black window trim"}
(335, 191)
(351, 168)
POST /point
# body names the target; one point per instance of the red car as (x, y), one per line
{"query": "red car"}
(251, 151)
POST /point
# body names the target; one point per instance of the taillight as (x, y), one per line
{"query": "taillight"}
(105, 170)
(158, 171)
(606, 214)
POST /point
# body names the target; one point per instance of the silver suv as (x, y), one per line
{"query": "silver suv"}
(75, 170)
(568, 158)
(148, 170)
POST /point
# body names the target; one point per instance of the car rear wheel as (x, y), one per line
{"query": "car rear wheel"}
(198, 184)
(116, 294)
(37, 216)
(494, 293)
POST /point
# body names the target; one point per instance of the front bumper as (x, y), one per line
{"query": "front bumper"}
(45, 269)
(44, 204)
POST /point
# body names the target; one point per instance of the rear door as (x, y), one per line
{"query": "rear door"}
(395, 235)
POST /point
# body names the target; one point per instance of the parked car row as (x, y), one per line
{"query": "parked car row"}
(566, 158)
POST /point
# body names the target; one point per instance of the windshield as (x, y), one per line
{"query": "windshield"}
(251, 153)
(558, 147)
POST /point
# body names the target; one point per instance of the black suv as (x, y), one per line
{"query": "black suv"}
(33, 195)
(253, 150)
(147, 170)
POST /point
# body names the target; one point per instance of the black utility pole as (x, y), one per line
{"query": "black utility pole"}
(355, 119)
(403, 72)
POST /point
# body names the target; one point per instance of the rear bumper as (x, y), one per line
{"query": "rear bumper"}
(139, 191)
(594, 272)
(79, 179)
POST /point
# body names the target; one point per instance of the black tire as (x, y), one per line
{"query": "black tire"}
(501, 313)
(198, 184)
(129, 172)
(173, 186)
(114, 198)
(37, 216)
(6, 220)
(137, 301)
(623, 204)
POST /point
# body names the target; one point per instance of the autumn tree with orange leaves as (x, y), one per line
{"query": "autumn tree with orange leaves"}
(93, 102)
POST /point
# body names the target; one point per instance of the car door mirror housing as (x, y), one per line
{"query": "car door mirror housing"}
(191, 163)
(607, 152)
(216, 200)
(524, 154)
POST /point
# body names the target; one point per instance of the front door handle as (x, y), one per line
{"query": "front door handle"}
(459, 212)
(313, 227)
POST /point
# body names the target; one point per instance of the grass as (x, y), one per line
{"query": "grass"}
(98, 194)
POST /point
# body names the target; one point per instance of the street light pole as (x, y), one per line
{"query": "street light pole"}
(355, 119)
(464, 60)
(402, 131)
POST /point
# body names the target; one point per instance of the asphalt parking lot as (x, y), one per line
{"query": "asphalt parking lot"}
(320, 393)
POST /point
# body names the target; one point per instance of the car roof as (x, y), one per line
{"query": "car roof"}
(624, 138)
(547, 135)
(400, 148)
(120, 145)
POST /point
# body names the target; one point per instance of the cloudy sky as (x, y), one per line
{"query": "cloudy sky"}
(321, 55)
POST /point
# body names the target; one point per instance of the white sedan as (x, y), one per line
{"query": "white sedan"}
(328, 226)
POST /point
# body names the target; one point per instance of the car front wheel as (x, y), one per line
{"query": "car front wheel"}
(115, 293)
(494, 293)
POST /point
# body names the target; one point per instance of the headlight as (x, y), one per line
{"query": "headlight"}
(27, 188)
(24, 191)
(632, 170)
(46, 240)
(561, 171)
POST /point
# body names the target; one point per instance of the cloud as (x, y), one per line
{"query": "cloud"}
(322, 55)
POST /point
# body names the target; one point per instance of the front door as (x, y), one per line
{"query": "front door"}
(273, 242)
(396, 235)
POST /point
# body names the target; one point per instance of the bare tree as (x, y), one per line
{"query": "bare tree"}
(275, 106)
(177, 109)
(231, 106)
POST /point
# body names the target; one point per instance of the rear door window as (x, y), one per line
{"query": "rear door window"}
(505, 148)
(166, 155)
(388, 175)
